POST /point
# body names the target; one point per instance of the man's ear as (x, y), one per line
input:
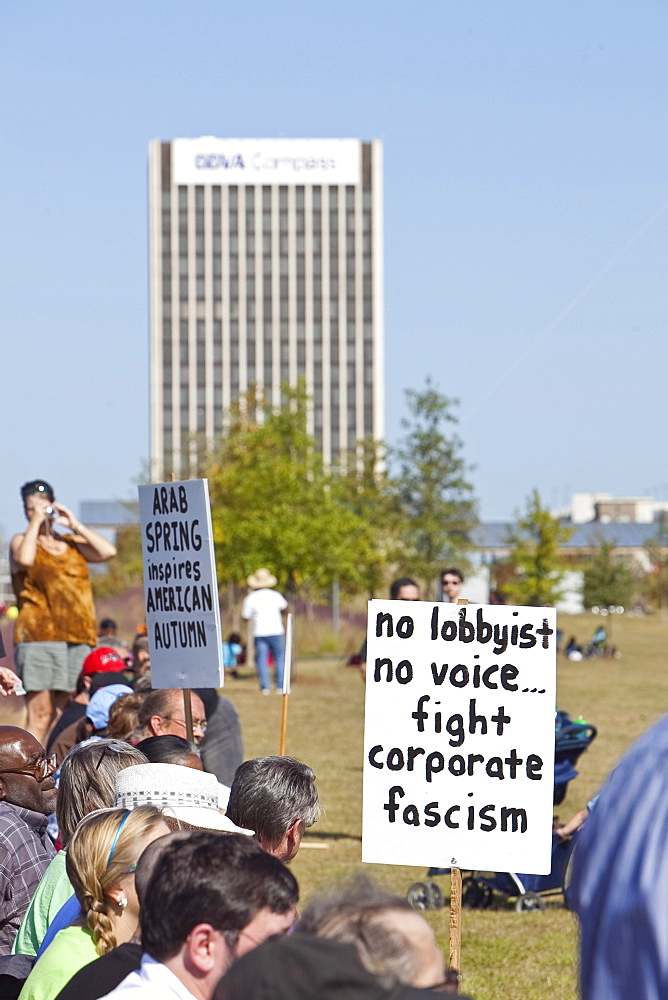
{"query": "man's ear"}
(294, 835)
(155, 725)
(203, 950)
(3, 790)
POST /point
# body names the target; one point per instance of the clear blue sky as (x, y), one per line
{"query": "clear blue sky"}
(526, 158)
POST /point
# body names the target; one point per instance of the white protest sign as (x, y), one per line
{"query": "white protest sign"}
(182, 612)
(459, 736)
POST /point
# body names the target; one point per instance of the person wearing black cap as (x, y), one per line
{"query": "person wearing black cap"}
(55, 628)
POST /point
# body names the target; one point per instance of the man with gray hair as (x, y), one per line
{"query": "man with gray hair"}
(276, 797)
(392, 940)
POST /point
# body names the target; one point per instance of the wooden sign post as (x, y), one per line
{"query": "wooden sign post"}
(287, 671)
(456, 900)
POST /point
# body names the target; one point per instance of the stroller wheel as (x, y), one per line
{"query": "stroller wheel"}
(529, 902)
(436, 899)
(474, 894)
(419, 896)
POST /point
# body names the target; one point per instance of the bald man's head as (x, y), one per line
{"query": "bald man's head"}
(26, 777)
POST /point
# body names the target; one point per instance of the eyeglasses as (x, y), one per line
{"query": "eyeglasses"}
(197, 723)
(39, 771)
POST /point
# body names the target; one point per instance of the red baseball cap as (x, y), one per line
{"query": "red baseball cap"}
(103, 660)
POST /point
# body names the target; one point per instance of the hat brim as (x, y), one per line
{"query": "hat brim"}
(256, 584)
(207, 819)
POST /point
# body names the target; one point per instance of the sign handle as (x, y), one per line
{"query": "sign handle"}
(287, 671)
(456, 901)
(455, 919)
(188, 711)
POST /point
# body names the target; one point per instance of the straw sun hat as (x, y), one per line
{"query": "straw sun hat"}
(261, 578)
(181, 792)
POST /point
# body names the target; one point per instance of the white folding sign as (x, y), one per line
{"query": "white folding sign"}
(459, 736)
(180, 588)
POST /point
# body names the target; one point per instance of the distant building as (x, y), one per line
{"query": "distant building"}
(628, 522)
(266, 265)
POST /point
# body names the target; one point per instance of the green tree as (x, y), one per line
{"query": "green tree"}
(364, 489)
(607, 580)
(125, 570)
(274, 504)
(436, 508)
(655, 585)
(534, 543)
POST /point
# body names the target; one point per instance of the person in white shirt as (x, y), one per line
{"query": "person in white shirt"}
(210, 899)
(264, 605)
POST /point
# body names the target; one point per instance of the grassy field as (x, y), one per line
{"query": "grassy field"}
(506, 956)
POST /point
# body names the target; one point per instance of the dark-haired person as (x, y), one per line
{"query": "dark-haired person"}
(210, 899)
(55, 629)
(452, 581)
(170, 749)
(278, 797)
(27, 798)
(403, 589)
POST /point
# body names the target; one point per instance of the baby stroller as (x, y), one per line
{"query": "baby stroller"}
(571, 740)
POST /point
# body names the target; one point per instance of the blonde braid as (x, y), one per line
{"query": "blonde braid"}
(99, 858)
(100, 925)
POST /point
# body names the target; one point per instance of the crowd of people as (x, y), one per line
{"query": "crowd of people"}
(122, 875)
(136, 862)
(143, 857)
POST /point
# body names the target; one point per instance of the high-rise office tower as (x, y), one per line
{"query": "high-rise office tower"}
(266, 265)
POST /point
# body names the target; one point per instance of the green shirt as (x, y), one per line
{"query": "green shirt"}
(70, 950)
(54, 889)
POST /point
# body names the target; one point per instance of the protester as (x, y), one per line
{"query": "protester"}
(392, 940)
(452, 581)
(101, 661)
(174, 750)
(27, 797)
(55, 628)
(619, 880)
(171, 750)
(188, 798)
(87, 782)
(124, 716)
(210, 900)
(232, 649)
(95, 721)
(277, 798)
(222, 747)
(108, 629)
(300, 967)
(163, 712)
(404, 589)
(264, 606)
(102, 857)
(105, 973)
(141, 657)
